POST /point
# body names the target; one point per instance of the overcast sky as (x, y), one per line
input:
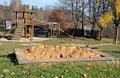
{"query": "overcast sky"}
(38, 3)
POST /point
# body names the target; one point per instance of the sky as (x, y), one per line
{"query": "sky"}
(38, 3)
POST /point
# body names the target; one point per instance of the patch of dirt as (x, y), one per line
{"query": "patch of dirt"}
(48, 52)
(31, 44)
(34, 39)
(3, 39)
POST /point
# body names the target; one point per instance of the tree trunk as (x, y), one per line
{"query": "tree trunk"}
(94, 21)
(83, 18)
(116, 34)
(100, 34)
(92, 30)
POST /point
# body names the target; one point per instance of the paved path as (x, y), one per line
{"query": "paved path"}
(28, 40)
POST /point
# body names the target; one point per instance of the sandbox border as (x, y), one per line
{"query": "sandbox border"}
(24, 60)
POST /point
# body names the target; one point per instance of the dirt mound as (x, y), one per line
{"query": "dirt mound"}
(48, 52)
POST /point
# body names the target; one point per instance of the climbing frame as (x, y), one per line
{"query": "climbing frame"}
(24, 23)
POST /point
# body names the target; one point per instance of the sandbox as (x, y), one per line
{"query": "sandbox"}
(63, 53)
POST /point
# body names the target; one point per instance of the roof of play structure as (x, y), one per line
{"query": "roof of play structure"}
(24, 9)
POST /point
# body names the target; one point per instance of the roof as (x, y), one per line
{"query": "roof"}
(39, 23)
(24, 9)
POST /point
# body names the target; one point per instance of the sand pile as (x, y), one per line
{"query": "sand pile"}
(49, 52)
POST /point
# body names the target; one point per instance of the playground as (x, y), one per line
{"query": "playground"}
(25, 26)
(49, 56)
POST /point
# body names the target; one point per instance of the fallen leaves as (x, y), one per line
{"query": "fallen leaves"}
(87, 68)
(1, 76)
(6, 70)
(13, 73)
(41, 76)
(56, 77)
(59, 76)
(29, 73)
(85, 75)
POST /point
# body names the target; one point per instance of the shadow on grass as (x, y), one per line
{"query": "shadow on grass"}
(112, 52)
(3, 55)
(13, 58)
(116, 52)
(6, 37)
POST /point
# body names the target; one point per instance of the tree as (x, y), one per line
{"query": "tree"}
(113, 15)
(4, 13)
(102, 7)
(76, 8)
(104, 20)
(116, 20)
(93, 14)
(58, 15)
(15, 4)
(94, 10)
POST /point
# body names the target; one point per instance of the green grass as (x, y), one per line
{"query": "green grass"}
(76, 41)
(9, 67)
(2, 32)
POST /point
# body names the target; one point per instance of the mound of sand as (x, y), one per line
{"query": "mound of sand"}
(48, 52)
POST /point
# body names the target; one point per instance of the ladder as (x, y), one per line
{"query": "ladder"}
(18, 32)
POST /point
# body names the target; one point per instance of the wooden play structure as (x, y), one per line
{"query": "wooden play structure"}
(54, 29)
(25, 25)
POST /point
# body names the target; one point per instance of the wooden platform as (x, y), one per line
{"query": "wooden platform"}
(23, 60)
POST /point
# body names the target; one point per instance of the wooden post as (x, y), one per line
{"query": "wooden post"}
(25, 31)
(32, 30)
(58, 29)
(31, 16)
(50, 31)
(16, 18)
(24, 17)
(31, 21)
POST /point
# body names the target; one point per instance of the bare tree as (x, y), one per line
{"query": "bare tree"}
(94, 10)
(76, 8)
(15, 4)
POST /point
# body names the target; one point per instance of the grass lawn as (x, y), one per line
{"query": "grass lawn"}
(3, 32)
(9, 67)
